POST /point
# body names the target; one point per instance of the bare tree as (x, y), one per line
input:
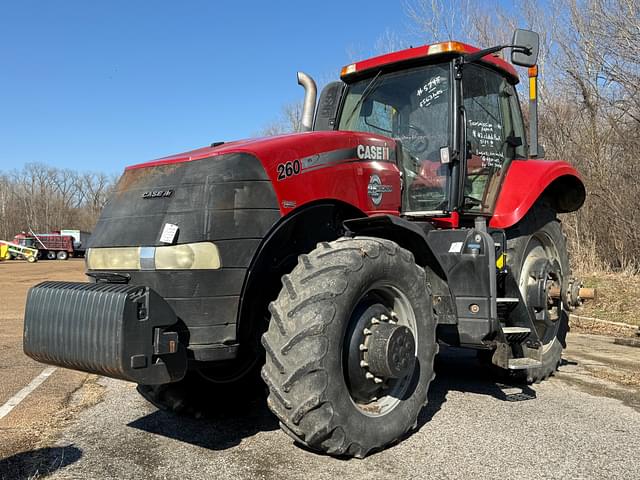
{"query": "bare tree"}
(289, 121)
(44, 198)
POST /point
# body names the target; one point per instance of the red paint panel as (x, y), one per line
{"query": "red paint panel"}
(423, 51)
(523, 184)
(346, 180)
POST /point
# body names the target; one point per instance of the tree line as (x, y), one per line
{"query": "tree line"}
(44, 199)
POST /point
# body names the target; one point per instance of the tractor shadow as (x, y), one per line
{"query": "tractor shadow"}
(218, 428)
(214, 428)
(459, 370)
(38, 463)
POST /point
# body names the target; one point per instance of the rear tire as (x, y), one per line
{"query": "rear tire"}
(540, 234)
(322, 393)
(51, 255)
(62, 255)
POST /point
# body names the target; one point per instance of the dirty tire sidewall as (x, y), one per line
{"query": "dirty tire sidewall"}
(304, 345)
(541, 221)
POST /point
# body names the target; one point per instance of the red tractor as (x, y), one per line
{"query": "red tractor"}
(334, 261)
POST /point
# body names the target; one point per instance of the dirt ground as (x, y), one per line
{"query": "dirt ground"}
(28, 424)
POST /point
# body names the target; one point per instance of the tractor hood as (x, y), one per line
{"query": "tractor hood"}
(240, 189)
(290, 147)
(300, 168)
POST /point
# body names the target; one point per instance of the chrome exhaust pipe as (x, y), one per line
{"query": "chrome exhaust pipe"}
(309, 105)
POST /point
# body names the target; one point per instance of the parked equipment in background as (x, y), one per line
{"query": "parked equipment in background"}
(80, 240)
(55, 245)
(333, 262)
(9, 250)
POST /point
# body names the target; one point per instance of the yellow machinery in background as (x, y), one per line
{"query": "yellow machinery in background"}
(8, 249)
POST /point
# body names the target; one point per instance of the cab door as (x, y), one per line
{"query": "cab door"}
(494, 136)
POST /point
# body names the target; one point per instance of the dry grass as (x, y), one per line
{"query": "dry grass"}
(617, 297)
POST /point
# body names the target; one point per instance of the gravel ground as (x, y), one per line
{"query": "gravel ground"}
(584, 423)
(472, 428)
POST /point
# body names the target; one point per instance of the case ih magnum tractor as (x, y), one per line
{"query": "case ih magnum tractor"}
(331, 263)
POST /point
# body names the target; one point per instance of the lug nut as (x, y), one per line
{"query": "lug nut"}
(374, 320)
(363, 364)
(369, 375)
(378, 380)
(362, 347)
(384, 318)
(366, 331)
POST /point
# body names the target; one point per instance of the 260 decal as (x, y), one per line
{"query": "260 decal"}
(288, 169)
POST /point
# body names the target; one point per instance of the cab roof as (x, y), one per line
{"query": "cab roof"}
(414, 54)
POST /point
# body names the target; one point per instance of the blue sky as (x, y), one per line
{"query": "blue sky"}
(94, 85)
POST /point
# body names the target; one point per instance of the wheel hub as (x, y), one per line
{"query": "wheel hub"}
(379, 351)
(390, 350)
(544, 276)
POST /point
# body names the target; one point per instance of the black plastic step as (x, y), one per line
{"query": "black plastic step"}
(516, 334)
(523, 363)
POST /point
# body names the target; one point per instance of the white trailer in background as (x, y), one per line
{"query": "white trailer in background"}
(80, 239)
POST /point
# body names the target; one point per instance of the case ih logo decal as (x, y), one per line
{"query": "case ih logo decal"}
(373, 152)
(157, 194)
(375, 189)
(332, 158)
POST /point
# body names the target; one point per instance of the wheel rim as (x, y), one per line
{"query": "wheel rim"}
(382, 316)
(541, 271)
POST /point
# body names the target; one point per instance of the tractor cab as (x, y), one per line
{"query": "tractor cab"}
(454, 111)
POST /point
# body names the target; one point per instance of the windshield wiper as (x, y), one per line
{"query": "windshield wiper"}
(365, 94)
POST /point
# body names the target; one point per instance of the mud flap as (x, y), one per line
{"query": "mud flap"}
(115, 330)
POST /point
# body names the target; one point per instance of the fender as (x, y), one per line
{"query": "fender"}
(407, 234)
(527, 181)
(294, 234)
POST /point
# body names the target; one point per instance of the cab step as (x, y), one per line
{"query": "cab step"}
(507, 300)
(506, 305)
(523, 363)
(516, 334)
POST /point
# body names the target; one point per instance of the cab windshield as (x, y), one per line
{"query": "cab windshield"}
(412, 106)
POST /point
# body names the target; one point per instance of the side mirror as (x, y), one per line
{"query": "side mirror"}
(328, 105)
(526, 47)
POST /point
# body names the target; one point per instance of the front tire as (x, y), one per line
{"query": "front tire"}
(342, 305)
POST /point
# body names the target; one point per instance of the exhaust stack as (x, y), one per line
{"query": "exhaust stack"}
(309, 105)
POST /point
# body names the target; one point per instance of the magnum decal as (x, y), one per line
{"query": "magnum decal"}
(375, 189)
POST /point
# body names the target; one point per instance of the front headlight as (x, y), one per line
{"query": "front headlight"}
(121, 258)
(189, 256)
